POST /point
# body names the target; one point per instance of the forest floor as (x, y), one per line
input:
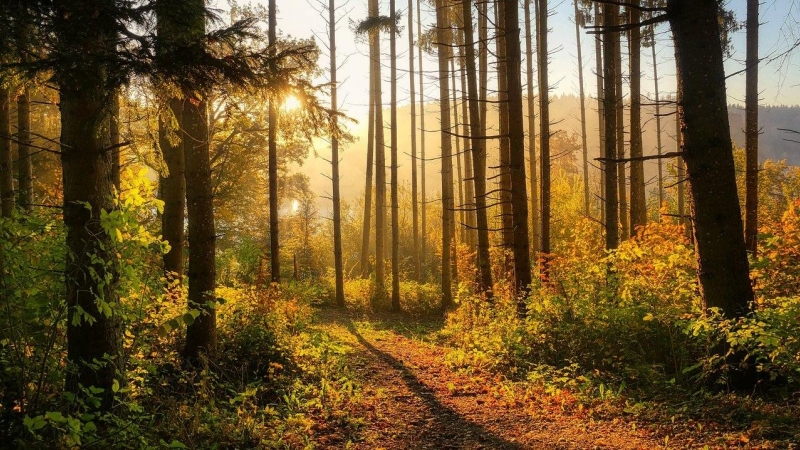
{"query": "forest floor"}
(412, 400)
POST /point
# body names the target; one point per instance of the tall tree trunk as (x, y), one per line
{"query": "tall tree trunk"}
(544, 127)
(395, 180)
(337, 201)
(516, 129)
(6, 158)
(365, 233)
(723, 269)
(751, 129)
(459, 171)
(622, 195)
(380, 164)
(638, 194)
(414, 181)
(681, 169)
(532, 167)
(469, 176)
(483, 61)
(173, 191)
(583, 112)
(25, 164)
(116, 152)
(94, 345)
(660, 147)
(484, 282)
(610, 99)
(274, 242)
(598, 50)
(443, 41)
(423, 205)
(201, 334)
(506, 214)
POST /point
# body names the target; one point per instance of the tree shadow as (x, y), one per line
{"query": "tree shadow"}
(417, 328)
(456, 430)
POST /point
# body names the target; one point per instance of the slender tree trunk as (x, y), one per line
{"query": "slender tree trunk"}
(516, 129)
(585, 146)
(380, 164)
(610, 99)
(484, 284)
(751, 129)
(94, 346)
(638, 194)
(544, 127)
(506, 214)
(274, 242)
(173, 192)
(414, 181)
(598, 50)
(443, 39)
(116, 152)
(459, 172)
(201, 334)
(337, 201)
(681, 169)
(395, 180)
(365, 234)
(622, 195)
(469, 176)
(6, 158)
(483, 61)
(660, 147)
(723, 269)
(532, 167)
(25, 176)
(424, 205)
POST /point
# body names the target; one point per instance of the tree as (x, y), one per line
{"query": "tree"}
(484, 282)
(414, 182)
(393, 151)
(598, 53)
(25, 176)
(443, 39)
(660, 148)
(6, 157)
(751, 129)
(274, 241)
(506, 214)
(337, 208)
(365, 230)
(516, 129)
(638, 216)
(610, 99)
(423, 207)
(619, 103)
(544, 126)
(532, 167)
(723, 269)
(578, 22)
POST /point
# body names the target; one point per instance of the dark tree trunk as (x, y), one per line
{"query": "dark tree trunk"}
(532, 166)
(719, 235)
(516, 129)
(6, 158)
(443, 39)
(584, 145)
(116, 152)
(414, 181)
(337, 201)
(469, 175)
(274, 241)
(173, 192)
(610, 98)
(484, 284)
(598, 49)
(86, 168)
(25, 164)
(638, 200)
(483, 61)
(506, 214)
(751, 130)
(459, 173)
(544, 128)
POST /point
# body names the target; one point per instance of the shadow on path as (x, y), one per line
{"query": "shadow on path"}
(452, 429)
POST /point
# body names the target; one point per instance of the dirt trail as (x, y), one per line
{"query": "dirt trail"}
(414, 401)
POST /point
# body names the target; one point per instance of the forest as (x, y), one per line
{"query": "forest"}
(371, 224)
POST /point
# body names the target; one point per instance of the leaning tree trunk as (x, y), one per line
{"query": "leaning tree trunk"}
(414, 182)
(544, 128)
(751, 130)
(516, 130)
(638, 200)
(723, 270)
(6, 157)
(610, 98)
(337, 201)
(532, 167)
(94, 326)
(201, 334)
(484, 282)
(25, 176)
(443, 39)
(274, 241)
(583, 112)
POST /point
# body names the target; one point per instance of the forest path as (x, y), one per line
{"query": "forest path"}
(412, 400)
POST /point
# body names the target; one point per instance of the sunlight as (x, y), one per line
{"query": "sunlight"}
(295, 205)
(291, 103)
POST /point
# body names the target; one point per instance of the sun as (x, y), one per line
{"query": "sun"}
(291, 103)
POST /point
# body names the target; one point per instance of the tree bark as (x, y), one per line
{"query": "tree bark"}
(660, 147)
(365, 233)
(274, 241)
(443, 39)
(337, 201)
(516, 129)
(393, 150)
(173, 192)
(610, 99)
(638, 216)
(544, 128)
(506, 214)
(469, 175)
(622, 195)
(25, 164)
(723, 270)
(6, 157)
(380, 164)
(116, 153)
(751, 129)
(584, 145)
(598, 49)
(423, 206)
(532, 166)
(414, 181)
(459, 173)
